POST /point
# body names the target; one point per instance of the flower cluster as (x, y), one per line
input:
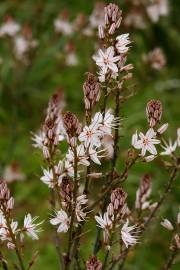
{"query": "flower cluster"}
(74, 153)
(146, 142)
(10, 233)
(23, 41)
(116, 212)
(111, 59)
(52, 132)
(175, 241)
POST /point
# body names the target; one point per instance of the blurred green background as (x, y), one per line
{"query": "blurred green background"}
(26, 89)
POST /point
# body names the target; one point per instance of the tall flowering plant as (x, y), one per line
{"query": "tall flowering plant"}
(72, 176)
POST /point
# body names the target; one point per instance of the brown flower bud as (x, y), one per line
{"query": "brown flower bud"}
(93, 264)
(66, 190)
(177, 240)
(118, 198)
(4, 191)
(144, 191)
(113, 18)
(71, 124)
(10, 203)
(154, 112)
(91, 89)
(53, 119)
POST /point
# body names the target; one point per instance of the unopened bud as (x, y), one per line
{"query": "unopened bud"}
(93, 264)
(71, 124)
(149, 158)
(101, 32)
(167, 224)
(177, 240)
(10, 203)
(118, 198)
(163, 128)
(91, 89)
(154, 112)
(112, 17)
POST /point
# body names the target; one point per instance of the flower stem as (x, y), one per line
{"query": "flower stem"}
(13, 238)
(72, 211)
(168, 265)
(116, 135)
(162, 198)
(2, 260)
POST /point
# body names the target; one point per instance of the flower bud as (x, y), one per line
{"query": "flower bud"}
(163, 128)
(112, 18)
(167, 224)
(4, 191)
(91, 89)
(101, 32)
(143, 192)
(178, 218)
(149, 158)
(10, 203)
(93, 264)
(118, 198)
(71, 124)
(177, 240)
(154, 112)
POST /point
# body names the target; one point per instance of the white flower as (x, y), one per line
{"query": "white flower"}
(106, 60)
(102, 75)
(81, 156)
(13, 173)
(80, 214)
(93, 154)
(157, 8)
(169, 148)
(23, 45)
(129, 238)
(10, 28)
(63, 26)
(122, 42)
(167, 224)
(146, 142)
(4, 231)
(30, 227)
(71, 59)
(48, 178)
(90, 135)
(62, 219)
(108, 123)
(178, 137)
(104, 222)
(39, 139)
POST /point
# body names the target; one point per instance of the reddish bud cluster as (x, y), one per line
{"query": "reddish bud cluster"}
(71, 124)
(154, 112)
(53, 120)
(5, 198)
(93, 264)
(91, 89)
(66, 189)
(143, 191)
